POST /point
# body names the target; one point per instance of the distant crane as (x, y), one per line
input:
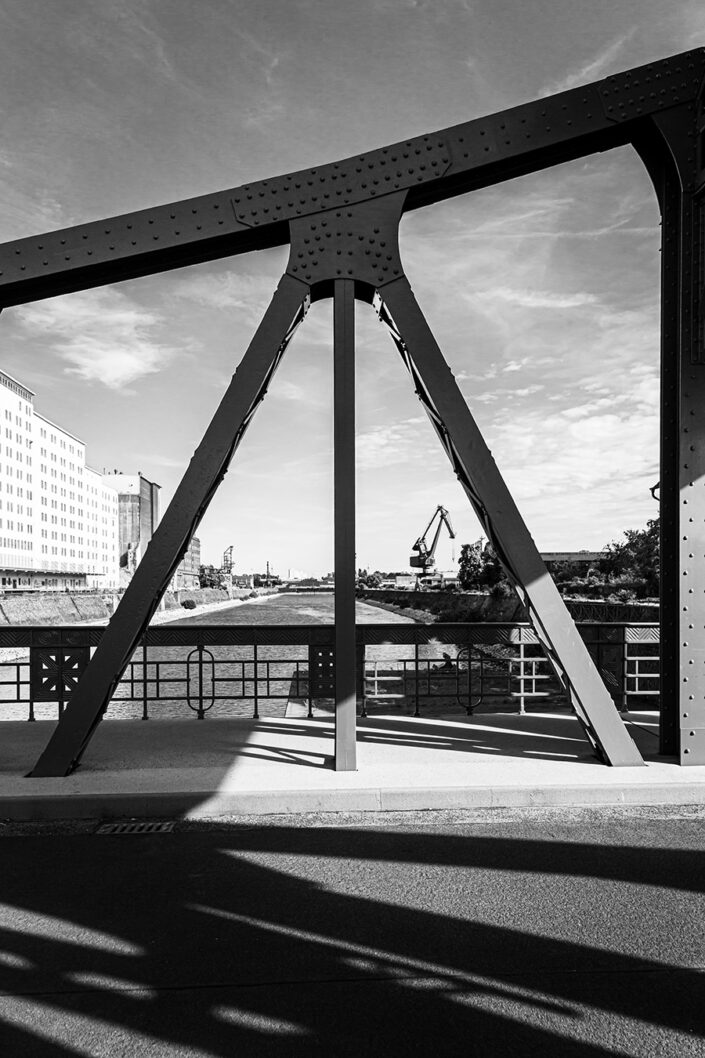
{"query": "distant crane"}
(211, 577)
(424, 559)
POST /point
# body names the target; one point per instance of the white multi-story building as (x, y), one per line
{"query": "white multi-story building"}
(58, 517)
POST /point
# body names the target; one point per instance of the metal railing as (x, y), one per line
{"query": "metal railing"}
(250, 670)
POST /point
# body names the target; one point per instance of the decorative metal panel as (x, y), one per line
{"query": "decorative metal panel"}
(321, 667)
(55, 672)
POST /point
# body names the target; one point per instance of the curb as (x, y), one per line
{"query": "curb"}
(203, 804)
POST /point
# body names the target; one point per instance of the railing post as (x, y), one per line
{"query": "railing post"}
(522, 676)
(145, 692)
(625, 671)
(255, 714)
(201, 714)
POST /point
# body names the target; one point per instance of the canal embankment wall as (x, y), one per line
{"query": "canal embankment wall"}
(64, 608)
(481, 607)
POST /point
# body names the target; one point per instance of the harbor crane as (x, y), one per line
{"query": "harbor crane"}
(424, 558)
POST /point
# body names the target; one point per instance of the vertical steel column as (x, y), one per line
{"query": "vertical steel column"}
(669, 493)
(663, 170)
(692, 498)
(480, 477)
(344, 505)
(676, 164)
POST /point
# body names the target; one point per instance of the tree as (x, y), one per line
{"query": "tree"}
(209, 577)
(493, 571)
(470, 566)
(564, 572)
(636, 560)
(479, 569)
(369, 580)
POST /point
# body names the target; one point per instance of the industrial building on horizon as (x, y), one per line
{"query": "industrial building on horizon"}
(63, 525)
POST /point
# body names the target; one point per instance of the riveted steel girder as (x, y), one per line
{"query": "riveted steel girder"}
(429, 168)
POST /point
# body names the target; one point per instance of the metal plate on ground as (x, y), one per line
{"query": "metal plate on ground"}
(135, 828)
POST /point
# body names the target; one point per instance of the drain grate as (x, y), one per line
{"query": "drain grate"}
(135, 828)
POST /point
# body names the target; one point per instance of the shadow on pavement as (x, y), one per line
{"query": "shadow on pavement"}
(287, 941)
(531, 737)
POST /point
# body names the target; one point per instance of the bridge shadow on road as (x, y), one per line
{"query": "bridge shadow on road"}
(292, 941)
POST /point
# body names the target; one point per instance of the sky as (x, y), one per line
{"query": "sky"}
(543, 292)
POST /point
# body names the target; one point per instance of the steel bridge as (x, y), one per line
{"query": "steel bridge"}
(341, 221)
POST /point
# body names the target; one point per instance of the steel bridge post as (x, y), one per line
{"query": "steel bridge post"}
(679, 174)
(669, 195)
(344, 533)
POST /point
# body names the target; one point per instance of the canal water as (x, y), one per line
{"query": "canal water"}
(291, 609)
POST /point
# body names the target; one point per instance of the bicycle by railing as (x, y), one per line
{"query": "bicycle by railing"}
(251, 670)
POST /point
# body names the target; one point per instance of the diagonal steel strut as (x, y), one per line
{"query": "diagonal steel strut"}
(171, 538)
(478, 474)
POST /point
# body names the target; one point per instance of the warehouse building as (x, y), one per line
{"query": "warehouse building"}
(138, 517)
(58, 517)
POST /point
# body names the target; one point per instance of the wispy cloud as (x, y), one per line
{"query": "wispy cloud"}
(440, 10)
(398, 443)
(131, 31)
(169, 462)
(516, 365)
(271, 103)
(539, 299)
(592, 69)
(248, 294)
(102, 335)
(693, 19)
(263, 113)
(268, 58)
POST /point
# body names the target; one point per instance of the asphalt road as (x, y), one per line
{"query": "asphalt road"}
(552, 933)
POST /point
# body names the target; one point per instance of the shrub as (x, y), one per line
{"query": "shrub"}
(188, 604)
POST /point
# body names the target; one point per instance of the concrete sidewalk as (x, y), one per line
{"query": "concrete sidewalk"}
(221, 767)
